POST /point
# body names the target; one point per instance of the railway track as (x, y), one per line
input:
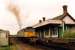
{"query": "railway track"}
(48, 45)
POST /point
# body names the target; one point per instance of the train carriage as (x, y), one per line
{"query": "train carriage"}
(27, 32)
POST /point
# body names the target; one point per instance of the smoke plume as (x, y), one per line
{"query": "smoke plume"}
(16, 11)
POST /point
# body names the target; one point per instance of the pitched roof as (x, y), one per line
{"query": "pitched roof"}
(60, 17)
(47, 22)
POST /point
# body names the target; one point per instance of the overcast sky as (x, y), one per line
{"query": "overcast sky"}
(31, 11)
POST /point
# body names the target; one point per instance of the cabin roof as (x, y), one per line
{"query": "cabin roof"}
(47, 22)
(60, 17)
(56, 20)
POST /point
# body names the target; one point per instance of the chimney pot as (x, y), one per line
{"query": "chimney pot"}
(43, 18)
(65, 9)
(40, 21)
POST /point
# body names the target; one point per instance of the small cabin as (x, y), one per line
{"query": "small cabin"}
(4, 37)
(57, 26)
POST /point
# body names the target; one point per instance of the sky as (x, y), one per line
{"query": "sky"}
(31, 11)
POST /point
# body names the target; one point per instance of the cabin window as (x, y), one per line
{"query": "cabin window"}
(66, 27)
(42, 33)
(46, 32)
(54, 31)
(38, 33)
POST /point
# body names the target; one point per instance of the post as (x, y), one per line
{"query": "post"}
(49, 32)
(57, 32)
(63, 24)
(44, 33)
(40, 34)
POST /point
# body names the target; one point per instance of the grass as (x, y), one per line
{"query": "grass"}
(4, 48)
(12, 47)
(69, 35)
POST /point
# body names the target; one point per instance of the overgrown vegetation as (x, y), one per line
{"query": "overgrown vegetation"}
(5, 48)
(68, 34)
(11, 47)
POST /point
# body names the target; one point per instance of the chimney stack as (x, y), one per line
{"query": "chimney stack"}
(40, 21)
(44, 19)
(65, 9)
